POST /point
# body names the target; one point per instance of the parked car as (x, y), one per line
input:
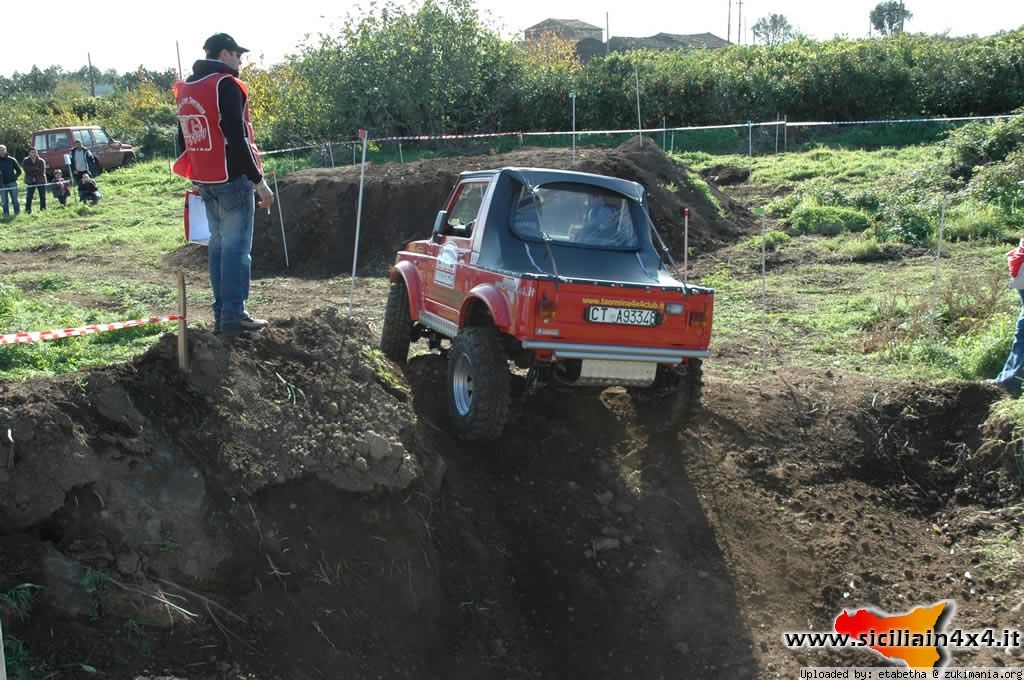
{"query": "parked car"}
(54, 143)
(557, 272)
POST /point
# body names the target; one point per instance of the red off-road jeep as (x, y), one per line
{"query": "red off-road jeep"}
(557, 272)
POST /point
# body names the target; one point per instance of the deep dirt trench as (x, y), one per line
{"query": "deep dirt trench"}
(243, 521)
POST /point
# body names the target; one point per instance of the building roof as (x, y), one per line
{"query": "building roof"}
(668, 41)
(568, 23)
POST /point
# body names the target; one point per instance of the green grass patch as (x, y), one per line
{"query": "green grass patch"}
(44, 312)
(142, 208)
(702, 187)
(828, 220)
(771, 241)
(868, 306)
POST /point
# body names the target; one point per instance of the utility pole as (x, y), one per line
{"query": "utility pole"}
(607, 34)
(92, 78)
(728, 26)
(739, 24)
(902, 15)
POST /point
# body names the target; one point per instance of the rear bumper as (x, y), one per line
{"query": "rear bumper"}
(567, 350)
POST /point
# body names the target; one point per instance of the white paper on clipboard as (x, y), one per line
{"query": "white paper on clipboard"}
(197, 228)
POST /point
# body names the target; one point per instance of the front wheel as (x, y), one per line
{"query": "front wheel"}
(673, 398)
(478, 384)
(396, 333)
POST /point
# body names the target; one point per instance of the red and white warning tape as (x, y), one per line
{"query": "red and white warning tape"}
(38, 336)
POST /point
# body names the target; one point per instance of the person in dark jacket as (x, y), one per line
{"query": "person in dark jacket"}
(88, 190)
(10, 171)
(82, 161)
(60, 187)
(35, 179)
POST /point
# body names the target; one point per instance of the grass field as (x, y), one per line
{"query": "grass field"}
(138, 221)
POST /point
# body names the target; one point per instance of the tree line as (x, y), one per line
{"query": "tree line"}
(441, 68)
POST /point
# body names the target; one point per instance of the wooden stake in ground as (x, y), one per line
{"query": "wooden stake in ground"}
(280, 216)
(365, 136)
(938, 268)
(182, 325)
(764, 295)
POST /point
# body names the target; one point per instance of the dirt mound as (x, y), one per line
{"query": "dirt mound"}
(136, 453)
(726, 175)
(926, 446)
(191, 256)
(401, 200)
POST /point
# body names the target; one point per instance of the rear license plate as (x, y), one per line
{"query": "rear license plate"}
(622, 315)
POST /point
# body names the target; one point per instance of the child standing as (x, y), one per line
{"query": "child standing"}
(60, 187)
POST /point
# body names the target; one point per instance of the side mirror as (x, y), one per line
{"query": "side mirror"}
(439, 222)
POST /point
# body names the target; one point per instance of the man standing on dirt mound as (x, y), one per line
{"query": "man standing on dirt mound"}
(221, 159)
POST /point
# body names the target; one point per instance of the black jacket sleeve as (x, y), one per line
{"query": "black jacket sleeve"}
(239, 150)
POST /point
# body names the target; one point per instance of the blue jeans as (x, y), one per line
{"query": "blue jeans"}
(8, 192)
(29, 190)
(230, 208)
(1010, 377)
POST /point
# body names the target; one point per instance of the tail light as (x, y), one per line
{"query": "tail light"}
(698, 319)
(546, 310)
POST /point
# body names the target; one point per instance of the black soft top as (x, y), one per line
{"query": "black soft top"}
(502, 250)
(535, 177)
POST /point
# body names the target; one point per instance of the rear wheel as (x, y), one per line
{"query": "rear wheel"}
(396, 333)
(478, 384)
(673, 398)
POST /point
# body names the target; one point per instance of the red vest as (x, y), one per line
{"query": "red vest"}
(204, 158)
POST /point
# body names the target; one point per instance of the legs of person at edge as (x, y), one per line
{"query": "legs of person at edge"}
(9, 192)
(1013, 371)
(230, 208)
(34, 188)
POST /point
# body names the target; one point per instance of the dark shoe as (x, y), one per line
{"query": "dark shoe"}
(249, 324)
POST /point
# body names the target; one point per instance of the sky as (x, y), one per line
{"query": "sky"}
(122, 34)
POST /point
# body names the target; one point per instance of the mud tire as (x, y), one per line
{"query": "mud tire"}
(479, 396)
(396, 333)
(672, 400)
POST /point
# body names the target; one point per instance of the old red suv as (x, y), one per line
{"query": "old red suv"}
(557, 272)
(54, 143)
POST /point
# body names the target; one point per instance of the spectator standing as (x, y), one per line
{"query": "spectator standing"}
(221, 158)
(60, 187)
(82, 161)
(35, 179)
(9, 173)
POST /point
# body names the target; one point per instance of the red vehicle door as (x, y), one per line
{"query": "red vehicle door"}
(103, 148)
(446, 283)
(52, 146)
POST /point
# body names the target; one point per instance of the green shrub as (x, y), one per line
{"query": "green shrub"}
(972, 221)
(783, 206)
(828, 220)
(772, 240)
(981, 354)
(998, 183)
(863, 248)
(903, 223)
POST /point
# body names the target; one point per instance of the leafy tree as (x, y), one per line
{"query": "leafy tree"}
(888, 17)
(773, 30)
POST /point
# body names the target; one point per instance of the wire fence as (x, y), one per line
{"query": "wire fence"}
(749, 138)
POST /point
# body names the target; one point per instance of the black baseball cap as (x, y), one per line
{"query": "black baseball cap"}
(222, 41)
